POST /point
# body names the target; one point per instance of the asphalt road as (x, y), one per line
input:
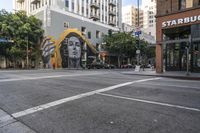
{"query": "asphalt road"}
(96, 101)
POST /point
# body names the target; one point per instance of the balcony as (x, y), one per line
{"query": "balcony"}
(112, 23)
(95, 5)
(112, 13)
(35, 1)
(95, 17)
(20, 1)
(112, 3)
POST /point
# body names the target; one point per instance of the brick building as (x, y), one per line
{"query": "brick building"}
(177, 29)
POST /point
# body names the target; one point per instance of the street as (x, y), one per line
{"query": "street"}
(96, 101)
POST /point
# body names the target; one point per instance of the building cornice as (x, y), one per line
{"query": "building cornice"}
(177, 12)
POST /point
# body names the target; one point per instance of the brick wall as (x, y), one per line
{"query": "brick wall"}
(159, 35)
(165, 7)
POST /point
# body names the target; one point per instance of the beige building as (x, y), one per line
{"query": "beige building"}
(149, 20)
(130, 16)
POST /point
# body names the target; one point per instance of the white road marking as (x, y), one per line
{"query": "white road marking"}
(47, 77)
(64, 100)
(180, 86)
(151, 102)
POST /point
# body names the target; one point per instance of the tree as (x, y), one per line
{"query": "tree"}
(124, 45)
(23, 30)
(121, 44)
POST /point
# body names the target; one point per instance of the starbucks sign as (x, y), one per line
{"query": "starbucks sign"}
(179, 21)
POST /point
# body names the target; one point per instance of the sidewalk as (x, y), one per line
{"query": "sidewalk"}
(169, 74)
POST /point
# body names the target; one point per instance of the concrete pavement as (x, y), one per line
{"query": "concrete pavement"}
(97, 102)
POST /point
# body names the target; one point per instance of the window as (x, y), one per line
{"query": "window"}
(97, 34)
(67, 3)
(83, 30)
(83, 10)
(72, 6)
(97, 47)
(66, 24)
(89, 35)
(183, 4)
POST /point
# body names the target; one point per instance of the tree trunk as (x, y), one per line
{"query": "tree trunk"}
(23, 64)
(119, 63)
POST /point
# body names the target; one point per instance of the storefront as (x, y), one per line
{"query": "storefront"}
(176, 34)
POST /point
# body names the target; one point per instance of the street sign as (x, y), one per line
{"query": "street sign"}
(138, 33)
(137, 51)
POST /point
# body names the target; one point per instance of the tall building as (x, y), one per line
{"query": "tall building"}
(130, 16)
(147, 23)
(87, 15)
(178, 35)
(149, 20)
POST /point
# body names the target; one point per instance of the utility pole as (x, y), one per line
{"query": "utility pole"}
(138, 45)
(187, 50)
(27, 60)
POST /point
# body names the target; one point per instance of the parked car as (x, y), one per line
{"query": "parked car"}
(127, 66)
(95, 65)
(109, 66)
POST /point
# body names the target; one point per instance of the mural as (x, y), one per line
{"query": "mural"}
(48, 48)
(71, 50)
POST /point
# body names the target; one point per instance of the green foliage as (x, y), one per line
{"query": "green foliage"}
(125, 45)
(120, 44)
(21, 29)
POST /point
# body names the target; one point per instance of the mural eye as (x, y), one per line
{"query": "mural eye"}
(77, 44)
(70, 43)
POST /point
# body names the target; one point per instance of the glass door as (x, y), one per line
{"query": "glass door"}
(176, 57)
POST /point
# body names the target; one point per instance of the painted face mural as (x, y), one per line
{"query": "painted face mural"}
(74, 48)
(71, 52)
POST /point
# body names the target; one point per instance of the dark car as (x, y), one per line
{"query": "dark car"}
(127, 66)
(109, 66)
(95, 65)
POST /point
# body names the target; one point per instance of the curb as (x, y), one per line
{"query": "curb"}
(167, 76)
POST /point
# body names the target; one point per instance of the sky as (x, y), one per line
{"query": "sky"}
(7, 4)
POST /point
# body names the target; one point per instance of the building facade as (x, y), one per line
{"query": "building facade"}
(103, 14)
(127, 28)
(130, 16)
(149, 20)
(178, 30)
(94, 18)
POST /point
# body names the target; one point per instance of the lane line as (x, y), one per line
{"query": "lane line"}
(181, 86)
(151, 102)
(47, 77)
(65, 100)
